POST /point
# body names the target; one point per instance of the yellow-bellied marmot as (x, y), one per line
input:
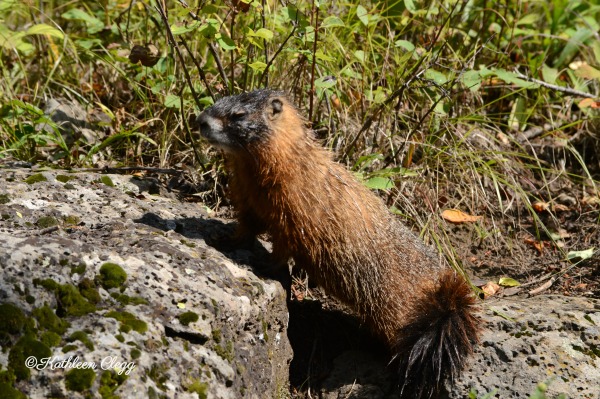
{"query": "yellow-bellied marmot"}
(285, 184)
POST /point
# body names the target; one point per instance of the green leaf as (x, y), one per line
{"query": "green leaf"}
(322, 56)
(210, 9)
(88, 43)
(508, 282)
(258, 66)
(405, 44)
(518, 115)
(14, 40)
(360, 55)
(362, 14)
(437, 76)
(172, 101)
(575, 43)
(366, 160)
(510, 77)
(379, 183)
(26, 107)
(210, 28)
(332, 22)
(94, 25)
(410, 6)
(9, 4)
(262, 33)
(181, 29)
(325, 83)
(44, 29)
(225, 42)
(549, 74)
(528, 19)
(585, 254)
(472, 80)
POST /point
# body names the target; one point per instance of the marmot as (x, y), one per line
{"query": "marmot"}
(287, 185)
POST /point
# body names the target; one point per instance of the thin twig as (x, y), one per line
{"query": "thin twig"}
(191, 136)
(222, 72)
(160, 7)
(232, 30)
(264, 25)
(314, 62)
(270, 62)
(543, 287)
(107, 169)
(200, 70)
(562, 89)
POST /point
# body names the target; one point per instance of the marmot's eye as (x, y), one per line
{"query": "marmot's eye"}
(236, 116)
(277, 106)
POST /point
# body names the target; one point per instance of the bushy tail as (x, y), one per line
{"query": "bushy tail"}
(438, 337)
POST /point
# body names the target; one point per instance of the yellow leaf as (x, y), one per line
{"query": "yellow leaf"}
(457, 216)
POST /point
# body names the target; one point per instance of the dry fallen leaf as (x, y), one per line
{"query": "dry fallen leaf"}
(591, 200)
(147, 55)
(457, 216)
(539, 245)
(589, 102)
(559, 207)
(490, 289)
(540, 206)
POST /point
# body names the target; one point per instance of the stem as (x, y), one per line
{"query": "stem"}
(314, 62)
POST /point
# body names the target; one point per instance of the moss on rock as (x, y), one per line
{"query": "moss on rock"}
(47, 320)
(111, 276)
(201, 388)
(36, 178)
(46, 221)
(8, 392)
(80, 380)
(110, 381)
(12, 319)
(128, 300)
(50, 339)
(128, 322)
(187, 318)
(82, 337)
(25, 347)
(64, 178)
(71, 302)
(88, 290)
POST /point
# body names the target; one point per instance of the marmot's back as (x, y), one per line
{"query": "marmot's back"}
(285, 184)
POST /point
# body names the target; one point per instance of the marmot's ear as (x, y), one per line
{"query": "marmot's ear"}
(276, 108)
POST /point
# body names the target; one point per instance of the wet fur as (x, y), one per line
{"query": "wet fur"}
(342, 234)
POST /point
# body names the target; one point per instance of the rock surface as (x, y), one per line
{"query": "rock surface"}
(174, 316)
(59, 298)
(549, 340)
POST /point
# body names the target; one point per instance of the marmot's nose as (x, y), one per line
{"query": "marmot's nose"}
(202, 123)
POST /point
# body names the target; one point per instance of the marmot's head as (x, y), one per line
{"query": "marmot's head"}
(236, 122)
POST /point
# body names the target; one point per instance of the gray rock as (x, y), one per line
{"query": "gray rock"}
(74, 122)
(56, 234)
(547, 339)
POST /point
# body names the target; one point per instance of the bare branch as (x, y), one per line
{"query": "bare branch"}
(562, 89)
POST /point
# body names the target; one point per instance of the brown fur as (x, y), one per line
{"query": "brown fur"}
(342, 234)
